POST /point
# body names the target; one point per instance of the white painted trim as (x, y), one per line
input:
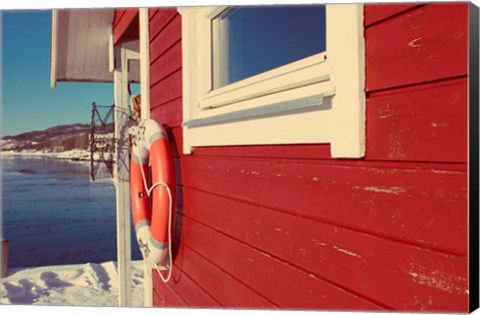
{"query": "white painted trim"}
(347, 56)
(122, 176)
(340, 69)
(145, 114)
(144, 63)
(111, 50)
(301, 73)
(53, 50)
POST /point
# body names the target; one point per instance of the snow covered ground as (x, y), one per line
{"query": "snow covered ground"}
(77, 154)
(88, 284)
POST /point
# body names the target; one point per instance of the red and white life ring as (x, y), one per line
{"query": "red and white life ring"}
(151, 219)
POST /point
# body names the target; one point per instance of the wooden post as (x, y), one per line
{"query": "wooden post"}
(4, 265)
(145, 111)
(121, 178)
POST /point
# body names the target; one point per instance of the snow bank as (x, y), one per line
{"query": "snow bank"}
(73, 155)
(78, 154)
(69, 285)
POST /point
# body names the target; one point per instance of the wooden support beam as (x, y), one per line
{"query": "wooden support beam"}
(145, 109)
(121, 178)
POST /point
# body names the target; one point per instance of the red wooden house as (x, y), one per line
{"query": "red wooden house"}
(338, 183)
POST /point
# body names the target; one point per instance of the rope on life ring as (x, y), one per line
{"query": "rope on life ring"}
(152, 222)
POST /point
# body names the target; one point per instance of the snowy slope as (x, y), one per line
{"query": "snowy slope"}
(63, 142)
(74, 285)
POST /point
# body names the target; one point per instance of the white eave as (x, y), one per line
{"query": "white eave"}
(81, 45)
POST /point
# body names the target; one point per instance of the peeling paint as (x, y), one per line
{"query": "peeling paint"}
(440, 280)
(446, 172)
(313, 276)
(302, 251)
(317, 242)
(247, 172)
(413, 44)
(394, 190)
(386, 112)
(436, 125)
(346, 252)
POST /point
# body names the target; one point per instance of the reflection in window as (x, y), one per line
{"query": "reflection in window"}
(251, 40)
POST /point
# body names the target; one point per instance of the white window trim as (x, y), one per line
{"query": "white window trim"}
(319, 99)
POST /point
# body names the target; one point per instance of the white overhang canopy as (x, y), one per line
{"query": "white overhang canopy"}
(81, 46)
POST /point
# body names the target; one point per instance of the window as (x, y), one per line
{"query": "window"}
(287, 34)
(274, 75)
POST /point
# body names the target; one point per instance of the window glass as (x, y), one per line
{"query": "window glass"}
(251, 40)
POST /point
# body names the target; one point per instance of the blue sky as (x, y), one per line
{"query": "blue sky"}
(28, 103)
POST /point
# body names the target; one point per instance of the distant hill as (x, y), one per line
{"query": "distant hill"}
(52, 140)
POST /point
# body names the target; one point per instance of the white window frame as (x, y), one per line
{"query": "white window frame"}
(318, 99)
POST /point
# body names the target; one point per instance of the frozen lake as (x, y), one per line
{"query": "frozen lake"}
(54, 215)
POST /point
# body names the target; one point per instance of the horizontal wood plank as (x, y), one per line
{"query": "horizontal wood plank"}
(168, 63)
(157, 299)
(229, 291)
(294, 151)
(159, 19)
(420, 206)
(165, 295)
(421, 123)
(123, 23)
(118, 16)
(168, 89)
(426, 44)
(285, 285)
(169, 113)
(152, 12)
(189, 291)
(425, 123)
(166, 38)
(360, 262)
(381, 11)
(287, 226)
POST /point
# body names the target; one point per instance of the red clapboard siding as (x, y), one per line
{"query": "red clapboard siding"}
(229, 291)
(152, 12)
(421, 123)
(159, 19)
(166, 38)
(287, 226)
(157, 299)
(426, 44)
(169, 62)
(414, 205)
(284, 285)
(125, 17)
(169, 113)
(167, 89)
(363, 263)
(190, 292)
(164, 295)
(118, 16)
(297, 151)
(378, 12)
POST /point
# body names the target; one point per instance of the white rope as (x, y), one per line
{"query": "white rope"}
(149, 191)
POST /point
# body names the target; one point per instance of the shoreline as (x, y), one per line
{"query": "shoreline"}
(76, 155)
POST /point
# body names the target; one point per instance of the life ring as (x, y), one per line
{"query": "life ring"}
(152, 220)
